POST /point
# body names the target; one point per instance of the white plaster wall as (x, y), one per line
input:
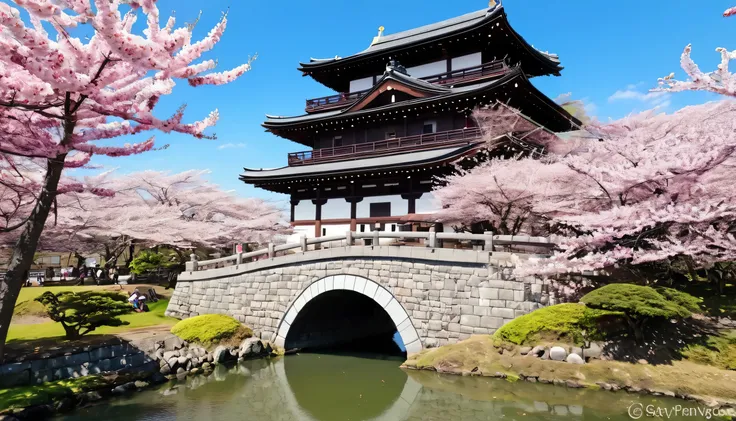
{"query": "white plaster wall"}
(427, 204)
(336, 209)
(428, 69)
(463, 62)
(399, 206)
(361, 84)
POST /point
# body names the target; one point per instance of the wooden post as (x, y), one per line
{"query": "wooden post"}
(239, 259)
(303, 241)
(349, 238)
(376, 235)
(432, 243)
(271, 252)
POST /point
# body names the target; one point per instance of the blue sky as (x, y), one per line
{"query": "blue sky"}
(613, 52)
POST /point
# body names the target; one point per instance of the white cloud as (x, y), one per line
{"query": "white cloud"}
(633, 93)
(231, 145)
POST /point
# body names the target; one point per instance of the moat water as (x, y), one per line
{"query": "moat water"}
(361, 387)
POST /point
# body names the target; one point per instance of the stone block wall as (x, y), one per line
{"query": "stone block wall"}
(93, 360)
(448, 294)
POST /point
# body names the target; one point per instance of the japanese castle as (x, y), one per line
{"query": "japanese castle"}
(401, 117)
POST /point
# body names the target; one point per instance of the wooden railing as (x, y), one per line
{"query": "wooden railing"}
(363, 150)
(488, 242)
(494, 68)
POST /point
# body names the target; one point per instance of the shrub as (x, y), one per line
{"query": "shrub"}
(207, 329)
(149, 261)
(684, 299)
(640, 305)
(561, 322)
(82, 312)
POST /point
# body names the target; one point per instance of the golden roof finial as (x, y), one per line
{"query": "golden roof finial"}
(380, 30)
(491, 4)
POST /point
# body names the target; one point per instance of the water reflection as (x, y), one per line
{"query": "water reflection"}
(348, 388)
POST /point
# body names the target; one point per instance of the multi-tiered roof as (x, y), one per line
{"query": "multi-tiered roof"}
(395, 96)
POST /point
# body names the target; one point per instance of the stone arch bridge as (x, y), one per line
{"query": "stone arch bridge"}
(308, 298)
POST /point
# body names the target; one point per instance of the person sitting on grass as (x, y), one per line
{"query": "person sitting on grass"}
(142, 307)
(133, 299)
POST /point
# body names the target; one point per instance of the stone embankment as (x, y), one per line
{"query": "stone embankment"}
(115, 369)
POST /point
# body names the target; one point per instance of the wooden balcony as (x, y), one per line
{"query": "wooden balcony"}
(487, 70)
(385, 147)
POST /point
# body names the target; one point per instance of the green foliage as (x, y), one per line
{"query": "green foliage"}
(568, 323)
(719, 351)
(638, 302)
(681, 298)
(207, 329)
(149, 261)
(25, 396)
(82, 312)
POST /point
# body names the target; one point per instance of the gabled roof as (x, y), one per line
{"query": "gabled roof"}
(447, 93)
(557, 119)
(395, 79)
(431, 33)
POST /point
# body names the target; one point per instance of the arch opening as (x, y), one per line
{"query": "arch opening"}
(345, 321)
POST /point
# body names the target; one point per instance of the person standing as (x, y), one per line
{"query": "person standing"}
(115, 274)
(50, 274)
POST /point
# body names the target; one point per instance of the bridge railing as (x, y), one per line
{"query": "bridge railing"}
(487, 241)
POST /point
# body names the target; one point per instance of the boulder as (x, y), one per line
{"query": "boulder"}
(250, 348)
(195, 370)
(170, 354)
(557, 353)
(221, 354)
(525, 350)
(182, 361)
(165, 369)
(195, 362)
(577, 351)
(92, 396)
(206, 366)
(537, 351)
(140, 384)
(159, 355)
(173, 362)
(593, 351)
(643, 361)
(575, 359)
(180, 370)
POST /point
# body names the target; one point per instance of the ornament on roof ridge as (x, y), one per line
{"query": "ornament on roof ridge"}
(380, 34)
(492, 4)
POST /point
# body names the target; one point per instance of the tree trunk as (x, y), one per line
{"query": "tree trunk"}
(25, 247)
(71, 331)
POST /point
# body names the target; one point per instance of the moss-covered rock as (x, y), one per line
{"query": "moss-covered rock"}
(564, 323)
(208, 329)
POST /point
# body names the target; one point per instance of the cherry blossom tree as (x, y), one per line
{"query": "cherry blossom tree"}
(60, 95)
(721, 81)
(639, 190)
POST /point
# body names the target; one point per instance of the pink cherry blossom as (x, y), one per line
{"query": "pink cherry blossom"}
(645, 188)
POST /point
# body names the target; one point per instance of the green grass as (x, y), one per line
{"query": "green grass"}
(154, 317)
(559, 323)
(480, 353)
(719, 351)
(25, 396)
(207, 329)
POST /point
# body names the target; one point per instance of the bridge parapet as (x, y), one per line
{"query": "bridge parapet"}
(485, 242)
